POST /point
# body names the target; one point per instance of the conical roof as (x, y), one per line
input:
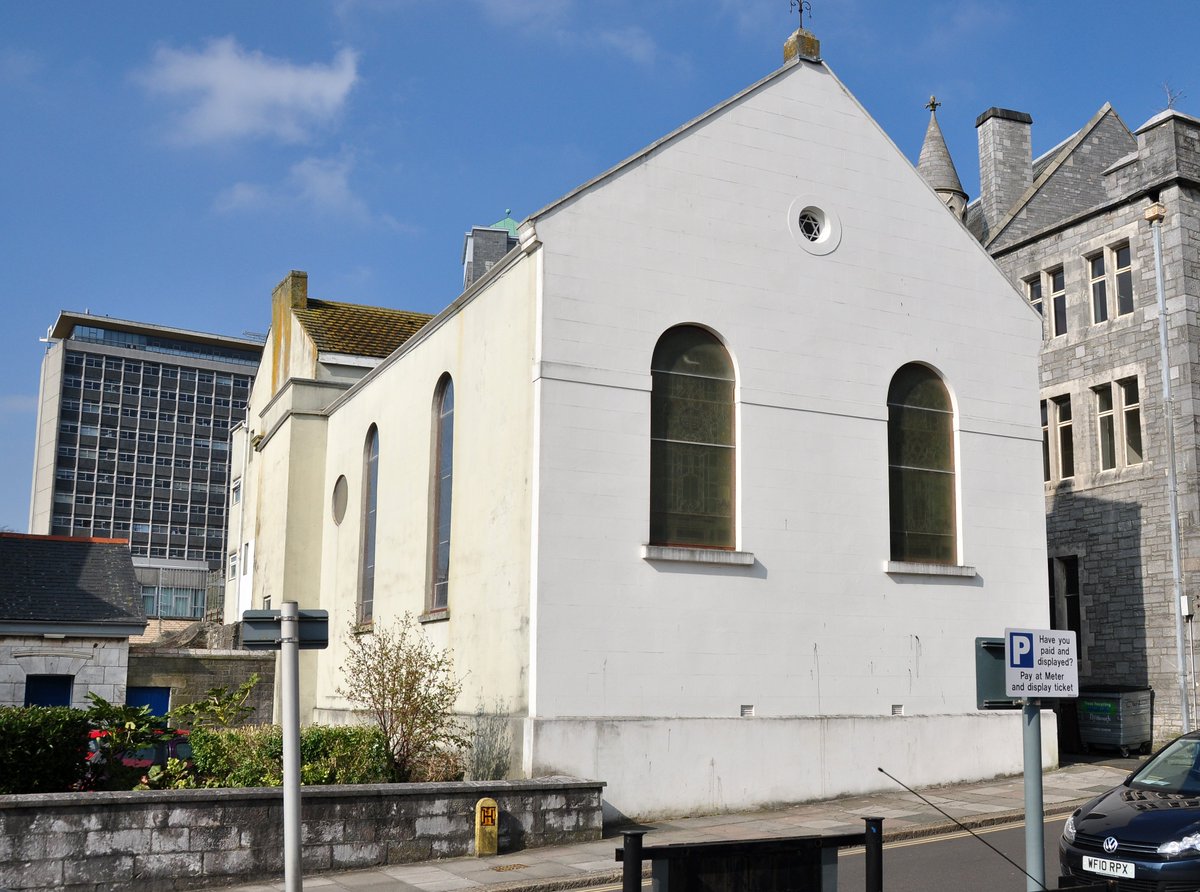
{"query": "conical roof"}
(935, 164)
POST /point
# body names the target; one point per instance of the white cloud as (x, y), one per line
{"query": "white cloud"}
(529, 15)
(632, 42)
(315, 185)
(757, 18)
(234, 93)
(242, 196)
(323, 184)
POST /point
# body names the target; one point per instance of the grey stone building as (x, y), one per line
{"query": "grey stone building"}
(68, 607)
(1070, 230)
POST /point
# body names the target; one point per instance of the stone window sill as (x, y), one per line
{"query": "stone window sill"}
(913, 568)
(698, 555)
(434, 616)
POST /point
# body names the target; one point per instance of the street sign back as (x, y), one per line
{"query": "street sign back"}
(260, 629)
(1040, 664)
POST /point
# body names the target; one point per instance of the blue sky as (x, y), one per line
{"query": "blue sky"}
(170, 162)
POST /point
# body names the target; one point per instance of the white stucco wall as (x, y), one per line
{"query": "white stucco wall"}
(486, 345)
(663, 767)
(698, 232)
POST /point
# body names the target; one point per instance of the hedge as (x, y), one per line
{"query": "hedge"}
(44, 748)
(252, 756)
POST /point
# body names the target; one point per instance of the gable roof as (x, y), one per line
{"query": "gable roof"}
(66, 581)
(356, 329)
(1057, 159)
(788, 66)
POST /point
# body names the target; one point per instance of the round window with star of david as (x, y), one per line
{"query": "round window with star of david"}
(813, 227)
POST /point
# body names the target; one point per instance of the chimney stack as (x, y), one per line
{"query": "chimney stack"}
(1005, 161)
(293, 290)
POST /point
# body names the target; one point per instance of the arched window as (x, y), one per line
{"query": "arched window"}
(442, 487)
(691, 441)
(370, 503)
(921, 467)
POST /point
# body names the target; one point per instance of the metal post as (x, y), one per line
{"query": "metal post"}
(1155, 214)
(289, 634)
(1035, 829)
(631, 861)
(874, 854)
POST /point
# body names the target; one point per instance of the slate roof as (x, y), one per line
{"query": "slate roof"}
(356, 329)
(935, 164)
(71, 581)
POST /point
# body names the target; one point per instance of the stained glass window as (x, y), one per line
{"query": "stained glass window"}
(443, 486)
(921, 467)
(366, 585)
(691, 441)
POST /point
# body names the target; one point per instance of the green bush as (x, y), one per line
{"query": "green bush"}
(354, 754)
(249, 756)
(43, 749)
(252, 756)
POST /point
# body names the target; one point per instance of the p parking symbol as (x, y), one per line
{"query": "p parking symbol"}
(1020, 650)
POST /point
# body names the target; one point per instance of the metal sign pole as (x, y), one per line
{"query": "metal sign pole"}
(289, 628)
(1154, 215)
(1035, 828)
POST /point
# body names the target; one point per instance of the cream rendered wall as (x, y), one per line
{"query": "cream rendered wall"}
(237, 590)
(698, 232)
(486, 344)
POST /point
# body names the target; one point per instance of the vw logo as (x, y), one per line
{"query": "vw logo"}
(1110, 844)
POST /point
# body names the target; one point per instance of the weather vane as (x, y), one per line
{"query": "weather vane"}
(932, 104)
(803, 6)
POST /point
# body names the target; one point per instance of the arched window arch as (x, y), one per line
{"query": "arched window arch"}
(370, 505)
(441, 491)
(691, 440)
(921, 467)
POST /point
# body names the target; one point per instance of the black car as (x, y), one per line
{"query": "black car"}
(1145, 833)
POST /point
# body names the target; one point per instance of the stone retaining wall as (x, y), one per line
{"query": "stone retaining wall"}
(188, 839)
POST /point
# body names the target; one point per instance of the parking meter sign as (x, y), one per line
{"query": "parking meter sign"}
(1020, 645)
(1040, 664)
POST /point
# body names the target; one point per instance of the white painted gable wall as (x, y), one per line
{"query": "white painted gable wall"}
(697, 231)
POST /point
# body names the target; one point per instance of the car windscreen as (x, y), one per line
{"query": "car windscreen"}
(1175, 770)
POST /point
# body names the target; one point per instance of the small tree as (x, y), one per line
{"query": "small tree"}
(491, 743)
(220, 707)
(408, 689)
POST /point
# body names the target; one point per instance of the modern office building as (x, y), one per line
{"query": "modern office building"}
(133, 443)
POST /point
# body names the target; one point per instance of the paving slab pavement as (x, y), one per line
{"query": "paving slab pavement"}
(995, 801)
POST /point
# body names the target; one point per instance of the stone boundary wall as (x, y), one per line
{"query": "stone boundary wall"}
(161, 840)
(190, 672)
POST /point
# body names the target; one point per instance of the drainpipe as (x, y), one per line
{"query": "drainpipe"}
(237, 580)
(1154, 216)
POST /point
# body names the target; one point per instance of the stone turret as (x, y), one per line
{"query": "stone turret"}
(484, 246)
(937, 167)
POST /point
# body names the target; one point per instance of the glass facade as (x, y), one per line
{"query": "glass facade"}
(142, 451)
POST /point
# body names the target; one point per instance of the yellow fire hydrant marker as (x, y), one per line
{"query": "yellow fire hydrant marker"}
(487, 827)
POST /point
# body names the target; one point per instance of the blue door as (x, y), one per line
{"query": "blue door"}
(157, 698)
